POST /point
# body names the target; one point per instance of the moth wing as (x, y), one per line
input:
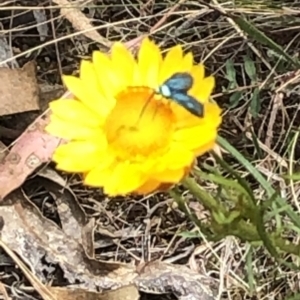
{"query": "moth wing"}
(179, 82)
(189, 103)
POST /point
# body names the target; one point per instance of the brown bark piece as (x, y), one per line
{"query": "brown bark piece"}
(19, 90)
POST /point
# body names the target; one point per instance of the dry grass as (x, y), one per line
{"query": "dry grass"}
(264, 130)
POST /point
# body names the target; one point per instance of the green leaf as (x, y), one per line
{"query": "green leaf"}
(250, 69)
(235, 99)
(294, 297)
(255, 105)
(230, 74)
(262, 38)
(249, 267)
(189, 234)
(295, 176)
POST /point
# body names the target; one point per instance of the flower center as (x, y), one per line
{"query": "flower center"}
(141, 123)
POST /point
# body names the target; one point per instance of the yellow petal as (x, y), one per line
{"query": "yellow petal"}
(96, 99)
(88, 73)
(187, 62)
(206, 130)
(148, 187)
(83, 149)
(123, 63)
(205, 148)
(100, 174)
(170, 175)
(75, 112)
(149, 61)
(137, 80)
(116, 179)
(197, 72)
(204, 89)
(67, 130)
(200, 140)
(125, 178)
(75, 86)
(108, 82)
(67, 164)
(212, 116)
(179, 156)
(170, 63)
(78, 156)
(90, 97)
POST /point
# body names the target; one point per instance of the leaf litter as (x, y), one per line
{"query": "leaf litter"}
(39, 241)
(19, 90)
(36, 238)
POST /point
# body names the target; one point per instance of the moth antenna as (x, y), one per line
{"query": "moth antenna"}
(145, 106)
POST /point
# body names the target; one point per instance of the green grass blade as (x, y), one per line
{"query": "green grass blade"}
(260, 178)
(262, 38)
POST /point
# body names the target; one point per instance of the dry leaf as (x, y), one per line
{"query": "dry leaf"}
(19, 90)
(129, 292)
(3, 151)
(32, 149)
(6, 53)
(4, 292)
(72, 217)
(41, 19)
(34, 237)
(36, 283)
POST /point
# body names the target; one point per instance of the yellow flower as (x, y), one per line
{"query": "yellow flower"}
(114, 138)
